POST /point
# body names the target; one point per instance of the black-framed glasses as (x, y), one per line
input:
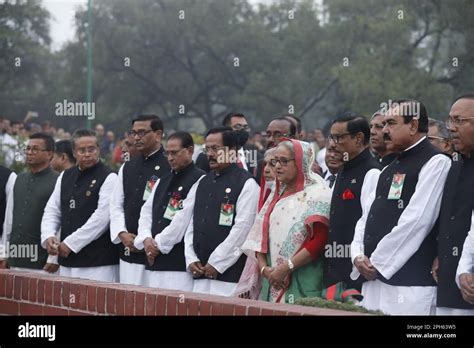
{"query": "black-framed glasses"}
(283, 161)
(174, 153)
(34, 150)
(336, 138)
(213, 149)
(275, 135)
(457, 121)
(141, 133)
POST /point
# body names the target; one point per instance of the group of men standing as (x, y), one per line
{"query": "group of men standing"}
(402, 216)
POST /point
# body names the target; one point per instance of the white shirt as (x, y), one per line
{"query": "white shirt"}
(7, 223)
(242, 158)
(117, 213)
(321, 159)
(466, 262)
(414, 224)
(94, 227)
(228, 252)
(174, 232)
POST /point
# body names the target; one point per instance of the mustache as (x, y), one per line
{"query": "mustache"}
(386, 137)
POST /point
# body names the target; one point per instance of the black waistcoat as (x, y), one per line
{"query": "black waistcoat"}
(136, 173)
(79, 200)
(344, 215)
(210, 195)
(385, 213)
(177, 184)
(4, 175)
(454, 225)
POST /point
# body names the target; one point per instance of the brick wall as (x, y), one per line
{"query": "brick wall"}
(24, 293)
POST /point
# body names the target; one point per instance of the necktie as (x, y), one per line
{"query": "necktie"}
(332, 179)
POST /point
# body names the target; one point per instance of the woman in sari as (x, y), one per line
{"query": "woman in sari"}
(290, 232)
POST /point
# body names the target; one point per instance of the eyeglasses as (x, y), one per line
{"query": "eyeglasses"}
(213, 149)
(141, 133)
(457, 121)
(240, 127)
(172, 153)
(434, 137)
(275, 135)
(84, 150)
(283, 161)
(34, 150)
(336, 138)
(269, 163)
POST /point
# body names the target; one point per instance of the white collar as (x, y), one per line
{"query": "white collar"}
(419, 141)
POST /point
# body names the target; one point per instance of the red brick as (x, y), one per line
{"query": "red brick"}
(120, 302)
(216, 308)
(25, 286)
(30, 309)
(57, 287)
(280, 313)
(9, 286)
(240, 310)
(3, 284)
(253, 311)
(91, 298)
(129, 303)
(140, 303)
(73, 298)
(160, 306)
(172, 305)
(9, 307)
(110, 300)
(17, 288)
(101, 300)
(65, 295)
(205, 308)
(193, 306)
(40, 292)
(48, 291)
(33, 285)
(82, 297)
(266, 312)
(150, 304)
(227, 309)
(54, 311)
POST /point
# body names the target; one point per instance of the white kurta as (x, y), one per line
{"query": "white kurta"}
(94, 227)
(166, 240)
(130, 273)
(229, 251)
(397, 247)
(7, 222)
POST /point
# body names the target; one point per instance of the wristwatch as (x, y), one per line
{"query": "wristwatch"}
(291, 266)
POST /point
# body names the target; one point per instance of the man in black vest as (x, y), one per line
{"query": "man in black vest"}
(349, 135)
(25, 209)
(377, 142)
(248, 155)
(163, 222)
(7, 181)
(223, 212)
(136, 179)
(79, 208)
(456, 210)
(395, 240)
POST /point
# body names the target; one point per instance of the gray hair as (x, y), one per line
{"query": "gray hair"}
(442, 129)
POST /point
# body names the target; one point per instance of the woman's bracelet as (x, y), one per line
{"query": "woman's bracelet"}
(262, 270)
